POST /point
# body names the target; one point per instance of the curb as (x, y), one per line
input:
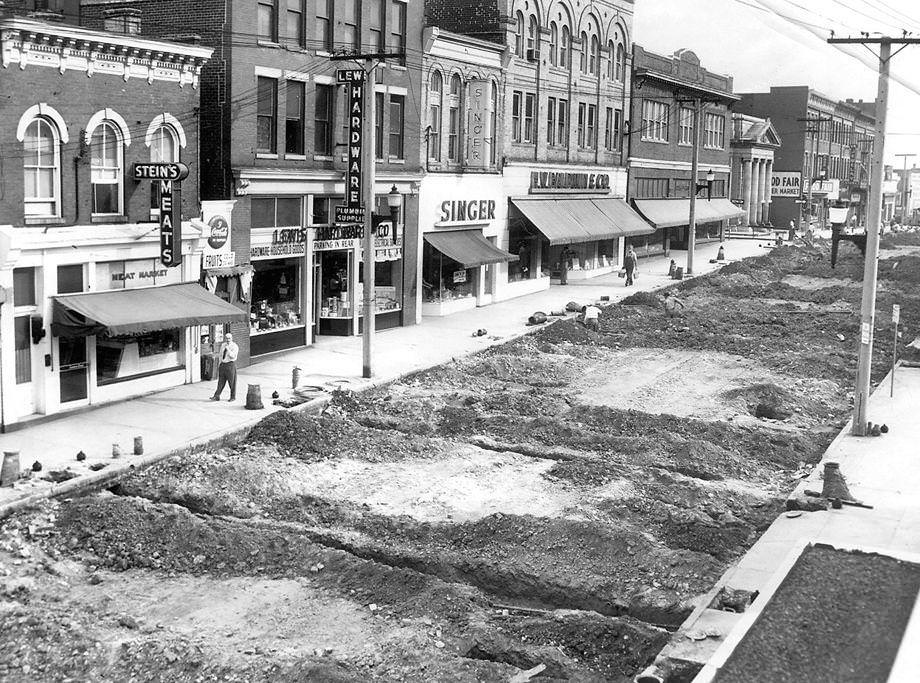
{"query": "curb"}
(86, 483)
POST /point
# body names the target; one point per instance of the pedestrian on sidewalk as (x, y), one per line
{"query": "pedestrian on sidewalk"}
(591, 314)
(630, 261)
(565, 259)
(226, 370)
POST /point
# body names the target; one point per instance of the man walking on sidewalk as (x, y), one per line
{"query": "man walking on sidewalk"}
(630, 261)
(226, 371)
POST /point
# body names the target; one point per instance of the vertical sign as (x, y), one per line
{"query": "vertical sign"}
(170, 224)
(354, 80)
(478, 124)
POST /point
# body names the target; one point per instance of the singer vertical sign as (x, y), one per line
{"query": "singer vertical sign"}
(355, 80)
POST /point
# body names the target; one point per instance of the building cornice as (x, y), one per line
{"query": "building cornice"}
(26, 43)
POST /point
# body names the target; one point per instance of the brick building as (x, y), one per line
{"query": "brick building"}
(80, 248)
(828, 141)
(273, 144)
(665, 91)
(552, 139)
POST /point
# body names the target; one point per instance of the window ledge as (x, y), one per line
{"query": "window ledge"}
(323, 157)
(44, 220)
(397, 67)
(323, 53)
(296, 157)
(685, 144)
(108, 218)
(656, 142)
(396, 160)
(267, 43)
(266, 155)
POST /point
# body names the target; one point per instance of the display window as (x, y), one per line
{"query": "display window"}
(443, 279)
(525, 245)
(335, 301)
(387, 289)
(277, 297)
(131, 357)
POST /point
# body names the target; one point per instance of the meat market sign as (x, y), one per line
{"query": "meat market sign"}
(168, 177)
(551, 181)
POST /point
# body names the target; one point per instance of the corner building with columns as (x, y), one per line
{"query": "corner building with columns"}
(753, 144)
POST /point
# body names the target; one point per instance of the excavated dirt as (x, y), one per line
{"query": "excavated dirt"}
(558, 503)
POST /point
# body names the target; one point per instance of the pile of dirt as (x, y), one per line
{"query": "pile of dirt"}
(650, 299)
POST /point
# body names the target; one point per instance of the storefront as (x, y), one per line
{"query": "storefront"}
(92, 316)
(670, 219)
(572, 218)
(464, 254)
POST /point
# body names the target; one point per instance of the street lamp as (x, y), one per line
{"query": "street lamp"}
(394, 201)
(710, 179)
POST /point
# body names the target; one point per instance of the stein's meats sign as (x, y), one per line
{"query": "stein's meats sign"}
(168, 177)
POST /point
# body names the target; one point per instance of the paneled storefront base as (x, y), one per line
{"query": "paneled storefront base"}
(269, 342)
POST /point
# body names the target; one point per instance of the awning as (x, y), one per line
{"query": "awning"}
(668, 213)
(565, 221)
(468, 248)
(138, 311)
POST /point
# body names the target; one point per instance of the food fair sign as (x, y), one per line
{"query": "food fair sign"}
(786, 184)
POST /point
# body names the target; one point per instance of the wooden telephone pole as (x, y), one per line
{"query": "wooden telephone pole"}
(873, 222)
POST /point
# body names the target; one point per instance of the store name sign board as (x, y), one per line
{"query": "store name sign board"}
(354, 79)
(548, 181)
(467, 210)
(786, 184)
(277, 243)
(477, 106)
(220, 260)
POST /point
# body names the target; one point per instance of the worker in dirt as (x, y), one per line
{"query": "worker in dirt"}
(565, 260)
(673, 307)
(591, 317)
(630, 263)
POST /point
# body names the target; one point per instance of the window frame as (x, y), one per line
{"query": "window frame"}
(300, 11)
(352, 27)
(118, 170)
(594, 56)
(272, 35)
(563, 122)
(398, 21)
(553, 43)
(580, 126)
(300, 118)
(530, 117)
(325, 125)
(517, 111)
(454, 106)
(271, 117)
(685, 126)
(435, 108)
(656, 120)
(325, 24)
(591, 128)
(519, 35)
(714, 130)
(551, 121)
(173, 134)
(55, 199)
(565, 47)
(608, 130)
(398, 134)
(583, 64)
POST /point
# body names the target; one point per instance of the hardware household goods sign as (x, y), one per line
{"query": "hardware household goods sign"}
(786, 184)
(354, 79)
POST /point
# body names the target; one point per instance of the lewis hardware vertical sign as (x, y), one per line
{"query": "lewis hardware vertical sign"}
(355, 80)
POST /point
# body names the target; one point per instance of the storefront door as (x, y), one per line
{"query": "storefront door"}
(74, 368)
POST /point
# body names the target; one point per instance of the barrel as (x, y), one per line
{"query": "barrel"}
(254, 397)
(678, 273)
(9, 472)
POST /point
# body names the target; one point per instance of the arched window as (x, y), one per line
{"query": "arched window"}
(594, 67)
(519, 35)
(435, 100)
(106, 168)
(565, 44)
(164, 148)
(584, 52)
(42, 168)
(533, 35)
(621, 62)
(453, 119)
(611, 61)
(553, 44)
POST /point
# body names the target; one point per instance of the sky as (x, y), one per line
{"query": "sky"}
(783, 42)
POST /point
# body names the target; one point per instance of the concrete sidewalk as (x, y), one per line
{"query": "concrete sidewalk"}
(183, 418)
(883, 472)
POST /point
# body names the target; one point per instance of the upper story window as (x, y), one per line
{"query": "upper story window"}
(266, 20)
(584, 53)
(164, 148)
(351, 35)
(324, 100)
(565, 46)
(293, 21)
(398, 28)
(714, 130)
(435, 99)
(453, 120)
(397, 126)
(294, 101)
(594, 66)
(375, 12)
(611, 61)
(533, 36)
(517, 103)
(655, 121)
(530, 109)
(42, 168)
(553, 44)
(621, 62)
(107, 169)
(685, 126)
(519, 35)
(267, 115)
(324, 24)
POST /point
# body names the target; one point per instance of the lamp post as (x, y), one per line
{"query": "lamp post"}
(394, 202)
(710, 179)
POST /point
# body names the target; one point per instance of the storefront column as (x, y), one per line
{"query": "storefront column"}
(758, 193)
(764, 191)
(354, 286)
(768, 197)
(752, 194)
(746, 189)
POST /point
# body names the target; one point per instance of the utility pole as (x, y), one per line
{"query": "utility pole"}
(905, 184)
(694, 173)
(874, 219)
(368, 174)
(813, 129)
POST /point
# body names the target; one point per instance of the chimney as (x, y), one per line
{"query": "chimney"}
(125, 20)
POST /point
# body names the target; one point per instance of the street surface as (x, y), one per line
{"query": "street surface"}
(555, 505)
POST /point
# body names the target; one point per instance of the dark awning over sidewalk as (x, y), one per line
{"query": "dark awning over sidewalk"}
(585, 219)
(669, 213)
(468, 248)
(138, 311)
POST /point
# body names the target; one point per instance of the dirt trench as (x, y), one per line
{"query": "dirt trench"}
(560, 501)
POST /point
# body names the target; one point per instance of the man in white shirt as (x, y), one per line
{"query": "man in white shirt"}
(226, 371)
